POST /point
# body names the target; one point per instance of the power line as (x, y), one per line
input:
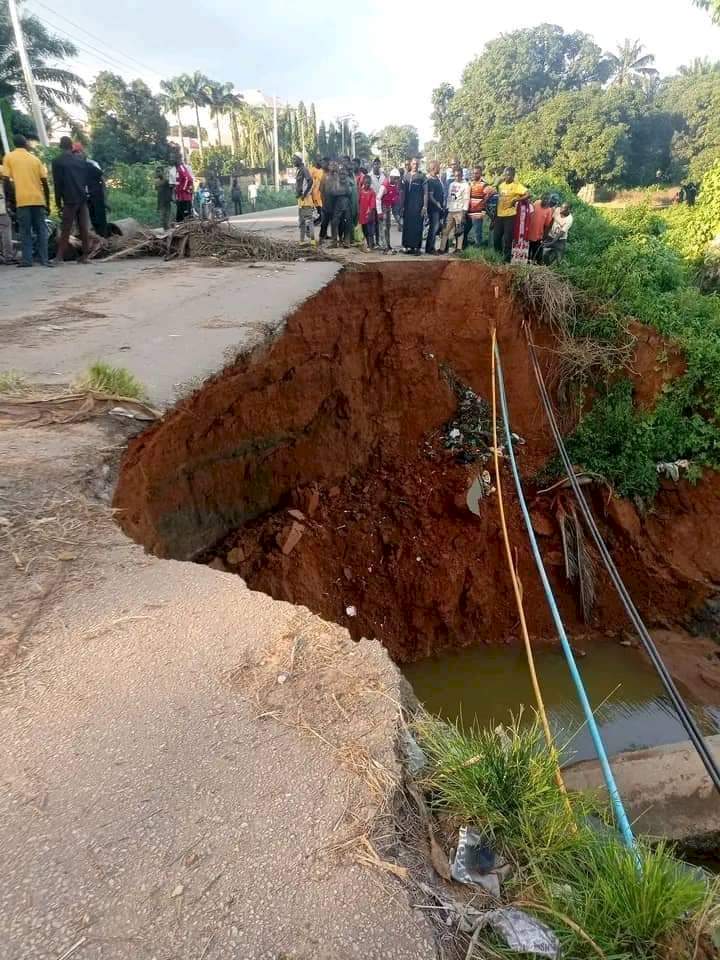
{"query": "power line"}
(89, 47)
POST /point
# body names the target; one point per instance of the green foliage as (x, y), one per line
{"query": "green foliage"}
(693, 99)
(539, 97)
(270, 199)
(56, 87)
(216, 162)
(629, 261)
(502, 781)
(396, 144)
(131, 192)
(115, 381)
(497, 781)
(127, 122)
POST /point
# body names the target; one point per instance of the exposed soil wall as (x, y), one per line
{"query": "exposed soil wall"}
(339, 421)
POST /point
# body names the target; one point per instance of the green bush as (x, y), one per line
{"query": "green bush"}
(269, 198)
(502, 781)
(131, 192)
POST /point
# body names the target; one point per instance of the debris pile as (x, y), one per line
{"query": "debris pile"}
(198, 238)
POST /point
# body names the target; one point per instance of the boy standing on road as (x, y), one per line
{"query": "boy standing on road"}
(306, 206)
(458, 203)
(32, 200)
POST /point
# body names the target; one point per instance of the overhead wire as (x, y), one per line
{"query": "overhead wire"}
(93, 36)
(620, 815)
(517, 590)
(683, 712)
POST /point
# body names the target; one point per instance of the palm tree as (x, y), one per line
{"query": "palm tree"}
(630, 65)
(173, 98)
(222, 101)
(699, 67)
(54, 85)
(197, 89)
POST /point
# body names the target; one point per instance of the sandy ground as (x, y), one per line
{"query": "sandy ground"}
(154, 802)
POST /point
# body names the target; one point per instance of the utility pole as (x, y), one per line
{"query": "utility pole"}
(27, 72)
(3, 134)
(276, 145)
(302, 138)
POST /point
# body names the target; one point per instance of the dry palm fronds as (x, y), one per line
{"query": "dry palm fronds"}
(580, 565)
(206, 238)
(547, 297)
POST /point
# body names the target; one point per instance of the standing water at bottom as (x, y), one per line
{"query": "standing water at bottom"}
(487, 684)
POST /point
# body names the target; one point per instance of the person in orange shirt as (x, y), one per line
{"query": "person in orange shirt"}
(540, 221)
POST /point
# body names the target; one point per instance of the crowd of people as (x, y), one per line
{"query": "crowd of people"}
(79, 187)
(350, 202)
(433, 210)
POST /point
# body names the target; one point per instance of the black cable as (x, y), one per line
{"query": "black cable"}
(686, 718)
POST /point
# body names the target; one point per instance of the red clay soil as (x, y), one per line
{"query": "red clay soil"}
(338, 420)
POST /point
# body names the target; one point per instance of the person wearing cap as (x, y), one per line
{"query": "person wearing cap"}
(32, 200)
(306, 206)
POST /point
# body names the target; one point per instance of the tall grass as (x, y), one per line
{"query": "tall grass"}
(627, 902)
(115, 381)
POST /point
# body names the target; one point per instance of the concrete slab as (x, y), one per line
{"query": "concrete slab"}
(666, 791)
(168, 323)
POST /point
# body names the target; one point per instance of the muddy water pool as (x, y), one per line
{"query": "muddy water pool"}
(487, 683)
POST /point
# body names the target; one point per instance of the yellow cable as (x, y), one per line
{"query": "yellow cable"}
(517, 589)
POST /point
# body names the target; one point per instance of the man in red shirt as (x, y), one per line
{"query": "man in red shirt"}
(541, 219)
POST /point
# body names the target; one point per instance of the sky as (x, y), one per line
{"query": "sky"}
(353, 58)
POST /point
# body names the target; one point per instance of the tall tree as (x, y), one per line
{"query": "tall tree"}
(694, 100)
(333, 141)
(302, 131)
(56, 87)
(126, 121)
(221, 100)
(712, 5)
(396, 144)
(511, 78)
(322, 145)
(172, 99)
(630, 64)
(197, 90)
(699, 67)
(312, 131)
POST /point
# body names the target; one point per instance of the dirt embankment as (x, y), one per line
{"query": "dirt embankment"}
(320, 468)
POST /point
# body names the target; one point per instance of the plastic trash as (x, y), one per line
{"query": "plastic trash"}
(523, 933)
(475, 862)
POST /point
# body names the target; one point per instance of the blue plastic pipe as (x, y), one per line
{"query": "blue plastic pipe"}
(620, 815)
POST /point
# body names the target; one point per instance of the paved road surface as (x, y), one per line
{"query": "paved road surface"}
(168, 323)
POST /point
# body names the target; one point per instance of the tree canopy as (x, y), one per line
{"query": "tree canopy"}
(396, 144)
(126, 122)
(554, 100)
(56, 87)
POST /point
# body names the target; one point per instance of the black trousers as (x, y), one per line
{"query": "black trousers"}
(503, 236)
(535, 251)
(183, 210)
(325, 219)
(237, 203)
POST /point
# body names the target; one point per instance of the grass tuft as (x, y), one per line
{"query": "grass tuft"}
(116, 381)
(12, 382)
(570, 865)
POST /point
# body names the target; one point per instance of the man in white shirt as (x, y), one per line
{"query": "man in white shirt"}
(458, 204)
(252, 194)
